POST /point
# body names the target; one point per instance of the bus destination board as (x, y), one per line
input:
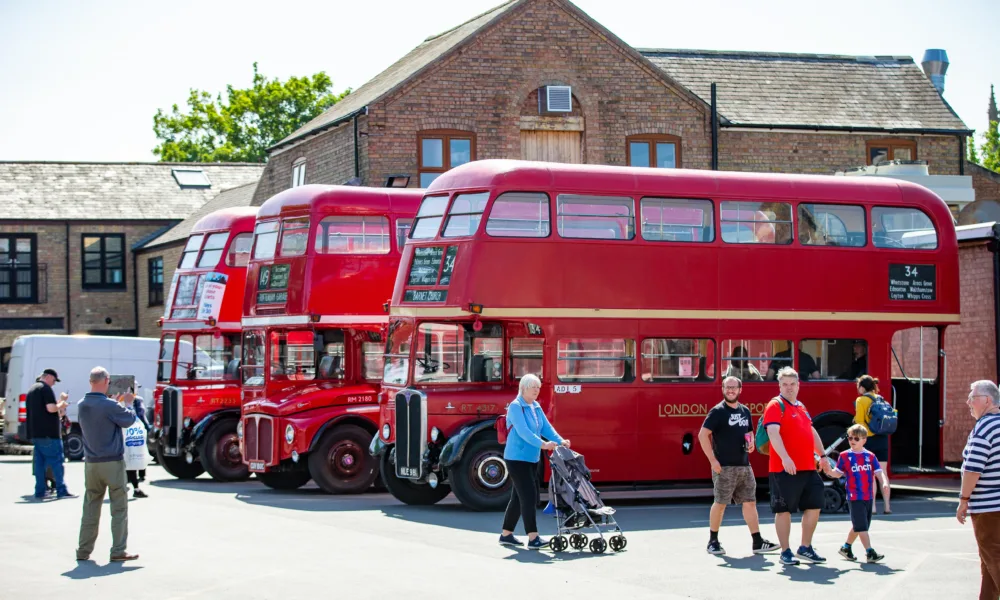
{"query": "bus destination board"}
(270, 279)
(449, 265)
(912, 282)
(425, 266)
(425, 295)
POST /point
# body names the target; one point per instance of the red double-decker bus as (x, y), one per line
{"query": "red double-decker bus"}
(632, 293)
(198, 383)
(320, 278)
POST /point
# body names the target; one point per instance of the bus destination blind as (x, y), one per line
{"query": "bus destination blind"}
(273, 277)
(425, 295)
(912, 282)
(426, 265)
(449, 265)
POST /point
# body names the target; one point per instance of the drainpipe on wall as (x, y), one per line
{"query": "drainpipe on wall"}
(357, 148)
(715, 131)
(69, 315)
(135, 292)
(994, 247)
(961, 155)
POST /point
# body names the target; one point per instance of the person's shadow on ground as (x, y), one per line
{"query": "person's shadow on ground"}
(813, 573)
(87, 569)
(755, 562)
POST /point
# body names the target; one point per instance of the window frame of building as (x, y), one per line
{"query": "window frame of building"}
(103, 284)
(652, 139)
(299, 172)
(154, 266)
(12, 268)
(890, 144)
(446, 136)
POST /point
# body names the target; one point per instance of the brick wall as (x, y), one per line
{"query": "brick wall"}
(148, 315)
(329, 160)
(821, 153)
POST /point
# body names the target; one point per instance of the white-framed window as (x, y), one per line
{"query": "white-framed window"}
(299, 172)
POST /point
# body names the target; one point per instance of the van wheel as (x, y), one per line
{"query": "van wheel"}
(73, 444)
(289, 480)
(220, 453)
(178, 467)
(406, 491)
(481, 480)
(341, 464)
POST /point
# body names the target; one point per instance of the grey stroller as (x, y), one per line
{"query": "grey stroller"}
(577, 505)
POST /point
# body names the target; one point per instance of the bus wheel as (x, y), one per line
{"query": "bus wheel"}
(289, 480)
(407, 492)
(481, 481)
(178, 467)
(341, 464)
(73, 444)
(220, 453)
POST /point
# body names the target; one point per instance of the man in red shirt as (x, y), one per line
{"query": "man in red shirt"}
(795, 484)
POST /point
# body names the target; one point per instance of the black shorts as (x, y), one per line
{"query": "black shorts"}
(792, 493)
(861, 514)
(879, 446)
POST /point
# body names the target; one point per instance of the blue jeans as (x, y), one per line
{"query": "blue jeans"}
(48, 453)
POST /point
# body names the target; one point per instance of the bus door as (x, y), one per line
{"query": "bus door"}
(917, 395)
(594, 400)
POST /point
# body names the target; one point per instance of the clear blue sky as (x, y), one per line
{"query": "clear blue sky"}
(81, 80)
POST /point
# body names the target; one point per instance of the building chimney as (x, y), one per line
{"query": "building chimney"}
(935, 65)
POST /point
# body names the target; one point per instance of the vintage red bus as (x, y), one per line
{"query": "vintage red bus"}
(632, 292)
(321, 272)
(198, 385)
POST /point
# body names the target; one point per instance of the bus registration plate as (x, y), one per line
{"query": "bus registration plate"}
(257, 466)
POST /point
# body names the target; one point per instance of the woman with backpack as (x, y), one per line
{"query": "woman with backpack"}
(878, 443)
(527, 432)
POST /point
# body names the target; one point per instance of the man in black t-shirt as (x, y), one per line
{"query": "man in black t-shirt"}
(727, 439)
(44, 429)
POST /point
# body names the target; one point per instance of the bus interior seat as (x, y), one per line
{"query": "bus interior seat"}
(233, 369)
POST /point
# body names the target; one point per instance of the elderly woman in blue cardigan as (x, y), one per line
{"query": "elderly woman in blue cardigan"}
(529, 430)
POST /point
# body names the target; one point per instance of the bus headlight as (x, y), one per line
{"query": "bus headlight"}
(386, 431)
(289, 434)
(239, 429)
(435, 434)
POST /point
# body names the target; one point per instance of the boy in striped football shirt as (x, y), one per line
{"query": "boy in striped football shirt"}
(859, 467)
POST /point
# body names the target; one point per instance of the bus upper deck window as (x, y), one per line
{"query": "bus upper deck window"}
(265, 240)
(677, 220)
(832, 225)
(345, 234)
(294, 236)
(429, 217)
(402, 232)
(595, 217)
(907, 228)
(756, 222)
(519, 214)
(212, 251)
(190, 255)
(465, 214)
(239, 250)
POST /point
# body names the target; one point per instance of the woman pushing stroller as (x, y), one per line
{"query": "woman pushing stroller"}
(528, 426)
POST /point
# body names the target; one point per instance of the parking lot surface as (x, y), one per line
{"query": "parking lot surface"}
(202, 539)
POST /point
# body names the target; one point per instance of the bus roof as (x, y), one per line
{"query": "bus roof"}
(238, 219)
(319, 200)
(599, 179)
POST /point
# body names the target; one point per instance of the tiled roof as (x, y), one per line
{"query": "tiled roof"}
(812, 90)
(112, 191)
(238, 196)
(423, 55)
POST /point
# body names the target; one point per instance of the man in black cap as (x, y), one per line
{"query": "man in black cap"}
(45, 431)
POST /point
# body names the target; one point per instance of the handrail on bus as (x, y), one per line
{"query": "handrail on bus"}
(900, 365)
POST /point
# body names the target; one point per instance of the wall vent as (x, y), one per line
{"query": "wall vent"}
(555, 98)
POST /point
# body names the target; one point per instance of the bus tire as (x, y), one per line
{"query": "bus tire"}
(341, 464)
(73, 444)
(407, 492)
(220, 453)
(178, 467)
(288, 480)
(480, 480)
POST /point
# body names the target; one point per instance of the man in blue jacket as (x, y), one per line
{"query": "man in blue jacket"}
(102, 420)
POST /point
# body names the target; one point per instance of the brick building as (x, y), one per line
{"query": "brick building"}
(68, 232)
(539, 79)
(157, 258)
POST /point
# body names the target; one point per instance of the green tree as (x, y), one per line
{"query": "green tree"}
(970, 145)
(241, 127)
(991, 148)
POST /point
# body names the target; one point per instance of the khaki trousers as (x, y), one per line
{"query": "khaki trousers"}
(987, 529)
(98, 477)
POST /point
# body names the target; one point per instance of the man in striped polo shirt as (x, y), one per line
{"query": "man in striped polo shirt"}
(981, 483)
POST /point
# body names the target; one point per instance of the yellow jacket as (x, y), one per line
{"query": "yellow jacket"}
(862, 408)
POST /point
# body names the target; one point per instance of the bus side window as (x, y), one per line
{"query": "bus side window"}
(525, 357)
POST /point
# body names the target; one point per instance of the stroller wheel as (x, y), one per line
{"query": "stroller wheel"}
(618, 543)
(578, 541)
(598, 545)
(558, 543)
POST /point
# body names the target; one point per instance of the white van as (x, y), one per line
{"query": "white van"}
(73, 356)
